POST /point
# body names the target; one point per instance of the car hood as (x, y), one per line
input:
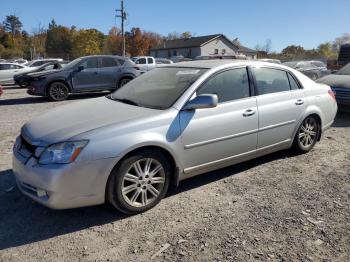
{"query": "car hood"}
(65, 122)
(336, 80)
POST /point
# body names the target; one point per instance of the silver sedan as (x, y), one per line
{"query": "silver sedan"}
(170, 124)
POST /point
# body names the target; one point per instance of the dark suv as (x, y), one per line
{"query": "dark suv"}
(85, 74)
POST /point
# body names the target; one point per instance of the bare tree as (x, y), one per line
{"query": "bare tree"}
(345, 38)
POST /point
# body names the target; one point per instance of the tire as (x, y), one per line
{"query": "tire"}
(307, 135)
(124, 81)
(314, 76)
(57, 91)
(132, 188)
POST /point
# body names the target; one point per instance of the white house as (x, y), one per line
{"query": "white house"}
(210, 45)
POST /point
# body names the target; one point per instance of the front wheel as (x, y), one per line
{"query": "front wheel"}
(58, 91)
(307, 135)
(139, 182)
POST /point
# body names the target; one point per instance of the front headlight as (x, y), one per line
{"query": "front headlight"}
(62, 153)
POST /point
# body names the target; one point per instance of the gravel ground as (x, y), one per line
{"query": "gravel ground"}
(281, 207)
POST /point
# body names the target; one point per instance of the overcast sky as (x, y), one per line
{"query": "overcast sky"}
(301, 22)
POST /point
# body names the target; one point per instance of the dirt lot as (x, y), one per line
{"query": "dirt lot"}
(281, 207)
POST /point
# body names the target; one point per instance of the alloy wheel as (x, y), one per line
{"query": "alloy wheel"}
(58, 91)
(143, 182)
(308, 132)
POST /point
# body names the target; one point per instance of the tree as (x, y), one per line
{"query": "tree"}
(265, 47)
(172, 36)
(325, 50)
(12, 24)
(58, 41)
(88, 42)
(113, 42)
(345, 38)
(186, 35)
(293, 52)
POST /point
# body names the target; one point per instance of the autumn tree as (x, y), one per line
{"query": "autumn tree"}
(325, 50)
(88, 42)
(293, 52)
(113, 42)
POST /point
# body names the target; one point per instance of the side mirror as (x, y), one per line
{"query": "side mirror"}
(202, 101)
(80, 68)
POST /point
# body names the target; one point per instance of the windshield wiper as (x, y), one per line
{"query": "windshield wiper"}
(123, 100)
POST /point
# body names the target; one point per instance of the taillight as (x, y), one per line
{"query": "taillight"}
(331, 93)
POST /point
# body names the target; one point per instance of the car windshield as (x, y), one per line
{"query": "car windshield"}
(159, 88)
(344, 71)
(73, 63)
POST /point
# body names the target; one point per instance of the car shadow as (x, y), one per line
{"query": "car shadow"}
(23, 221)
(37, 100)
(342, 120)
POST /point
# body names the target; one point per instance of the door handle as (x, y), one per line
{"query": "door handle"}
(248, 112)
(299, 102)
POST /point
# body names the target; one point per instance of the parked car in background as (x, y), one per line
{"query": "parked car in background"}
(309, 68)
(9, 70)
(275, 61)
(24, 79)
(213, 57)
(85, 74)
(39, 62)
(172, 123)
(344, 55)
(340, 84)
(163, 61)
(20, 61)
(145, 63)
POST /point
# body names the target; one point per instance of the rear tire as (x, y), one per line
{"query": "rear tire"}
(307, 135)
(124, 81)
(139, 182)
(57, 91)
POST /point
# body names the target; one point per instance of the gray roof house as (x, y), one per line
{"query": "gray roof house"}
(209, 45)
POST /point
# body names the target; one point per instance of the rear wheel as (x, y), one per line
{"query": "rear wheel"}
(58, 91)
(124, 81)
(307, 134)
(139, 182)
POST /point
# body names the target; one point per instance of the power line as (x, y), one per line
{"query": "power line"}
(122, 14)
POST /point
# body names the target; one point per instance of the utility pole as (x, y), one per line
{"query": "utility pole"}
(122, 14)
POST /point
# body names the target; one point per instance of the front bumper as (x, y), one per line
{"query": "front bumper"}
(36, 88)
(63, 186)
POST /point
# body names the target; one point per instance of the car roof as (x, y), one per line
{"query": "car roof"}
(212, 63)
(9, 63)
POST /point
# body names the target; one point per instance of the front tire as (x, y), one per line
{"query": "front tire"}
(139, 182)
(307, 134)
(57, 91)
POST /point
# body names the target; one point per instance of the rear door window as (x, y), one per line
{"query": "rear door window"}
(150, 60)
(108, 62)
(271, 80)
